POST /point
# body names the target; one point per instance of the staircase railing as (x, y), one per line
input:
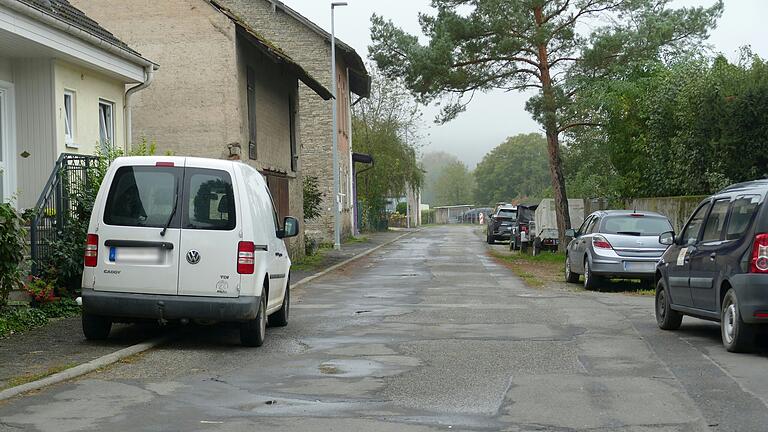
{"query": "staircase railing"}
(53, 208)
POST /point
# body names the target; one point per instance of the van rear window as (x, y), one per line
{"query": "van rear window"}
(743, 211)
(210, 200)
(142, 197)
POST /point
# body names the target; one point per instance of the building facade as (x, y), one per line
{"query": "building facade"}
(64, 85)
(310, 46)
(225, 91)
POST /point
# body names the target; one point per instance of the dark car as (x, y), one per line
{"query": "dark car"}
(523, 228)
(717, 268)
(500, 223)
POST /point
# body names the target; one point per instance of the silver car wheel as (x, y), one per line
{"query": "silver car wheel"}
(729, 323)
(587, 273)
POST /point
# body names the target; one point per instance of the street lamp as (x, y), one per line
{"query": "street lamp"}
(336, 203)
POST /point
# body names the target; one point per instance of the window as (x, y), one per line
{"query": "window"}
(69, 119)
(640, 225)
(210, 200)
(583, 228)
(691, 231)
(106, 125)
(142, 196)
(592, 228)
(742, 212)
(713, 230)
(251, 101)
(507, 213)
(292, 132)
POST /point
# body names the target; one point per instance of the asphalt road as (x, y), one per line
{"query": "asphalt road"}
(426, 334)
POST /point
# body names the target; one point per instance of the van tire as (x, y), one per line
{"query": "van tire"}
(96, 327)
(280, 318)
(253, 332)
(738, 336)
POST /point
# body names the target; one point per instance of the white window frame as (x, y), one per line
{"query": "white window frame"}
(69, 119)
(109, 125)
(8, 142)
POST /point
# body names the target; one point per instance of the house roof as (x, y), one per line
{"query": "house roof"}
(274, 52)
(63, 11)
(359, 80)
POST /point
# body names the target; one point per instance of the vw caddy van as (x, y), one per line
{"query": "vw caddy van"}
(182, 238)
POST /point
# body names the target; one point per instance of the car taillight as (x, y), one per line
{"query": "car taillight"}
(91, 255)
(524, 228)
(759, 263)
(245, 257)
(601, 242)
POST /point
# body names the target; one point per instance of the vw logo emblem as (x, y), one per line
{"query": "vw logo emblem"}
(193, 257)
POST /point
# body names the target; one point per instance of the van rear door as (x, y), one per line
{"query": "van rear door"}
(133, 254)
(210, 233)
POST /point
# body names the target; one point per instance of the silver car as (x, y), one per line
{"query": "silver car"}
(615, 243)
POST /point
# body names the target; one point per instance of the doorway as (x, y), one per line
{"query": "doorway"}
(7, 144)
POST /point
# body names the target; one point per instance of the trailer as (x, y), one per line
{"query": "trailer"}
(546, 235)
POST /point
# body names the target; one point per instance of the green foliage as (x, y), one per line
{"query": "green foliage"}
(39, 289)
(312, 198)
(66, 307)
(385, 127)
(65, 265)
(455, 185)
(402, 208)
(20, 319)
(432, 164)
(516, 169)
(690, 128)
(12, 247)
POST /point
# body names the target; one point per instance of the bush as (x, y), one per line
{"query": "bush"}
(12, 247)
(312, 198)
(402, 208)
(66, 307)
(20, 319)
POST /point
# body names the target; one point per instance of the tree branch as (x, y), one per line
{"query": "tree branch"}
(576, 124)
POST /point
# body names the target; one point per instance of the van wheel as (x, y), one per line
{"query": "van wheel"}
(570, 276)
(738, 336)
(96, 327)
(666, 318)
(253, 332)
(280, 318)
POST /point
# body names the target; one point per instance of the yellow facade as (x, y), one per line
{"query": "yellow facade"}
(89, 88)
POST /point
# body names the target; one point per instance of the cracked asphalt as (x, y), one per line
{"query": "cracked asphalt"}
(425, 334)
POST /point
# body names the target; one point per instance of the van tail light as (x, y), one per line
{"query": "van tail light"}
(759, 262)
(601, 242)
(245, 257)
(91, 255)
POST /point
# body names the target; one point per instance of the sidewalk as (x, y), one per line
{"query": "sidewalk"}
(60, 344)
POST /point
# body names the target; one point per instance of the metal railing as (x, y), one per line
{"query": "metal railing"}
(54, 208)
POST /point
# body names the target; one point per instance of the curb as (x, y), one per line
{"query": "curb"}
(348, 260)
(82, 369)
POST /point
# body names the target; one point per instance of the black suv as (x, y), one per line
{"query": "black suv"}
(717, 268)
(500, 223)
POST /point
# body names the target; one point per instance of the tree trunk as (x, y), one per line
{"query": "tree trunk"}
(553, 142)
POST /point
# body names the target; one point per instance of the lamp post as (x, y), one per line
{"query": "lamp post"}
(336, 215)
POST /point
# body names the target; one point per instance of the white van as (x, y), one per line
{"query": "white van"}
(182, 238)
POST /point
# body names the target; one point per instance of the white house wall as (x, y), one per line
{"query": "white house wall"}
(6, 70)
(33, 80)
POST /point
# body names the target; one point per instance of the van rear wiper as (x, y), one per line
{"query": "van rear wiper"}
(173, 212)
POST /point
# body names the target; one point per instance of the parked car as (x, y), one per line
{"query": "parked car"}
(182, 238)
(522, 228)
(717, 268)
(499, 226)
(547, 239)
(615, 244)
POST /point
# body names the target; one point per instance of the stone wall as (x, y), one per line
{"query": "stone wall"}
(312, 51)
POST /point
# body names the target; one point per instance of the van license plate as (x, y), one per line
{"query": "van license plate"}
(642, 267)
(136, 256)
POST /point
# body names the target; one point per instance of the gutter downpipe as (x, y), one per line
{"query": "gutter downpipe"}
(149, 75)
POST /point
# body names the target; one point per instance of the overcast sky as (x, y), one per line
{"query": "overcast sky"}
(496, 115)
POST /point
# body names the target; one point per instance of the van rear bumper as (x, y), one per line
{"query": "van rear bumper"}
(752, 292)
(169, 307)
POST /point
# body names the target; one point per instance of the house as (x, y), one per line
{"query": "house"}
(226, 91)
(310, 45)
(65, 83)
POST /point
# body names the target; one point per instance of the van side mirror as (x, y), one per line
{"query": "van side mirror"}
(290, 228)
(570, 233)
(667, 238)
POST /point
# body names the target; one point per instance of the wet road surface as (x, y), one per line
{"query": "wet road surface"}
(428, 333)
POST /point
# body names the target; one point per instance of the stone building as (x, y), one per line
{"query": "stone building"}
(310, 45)
(225, 90)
